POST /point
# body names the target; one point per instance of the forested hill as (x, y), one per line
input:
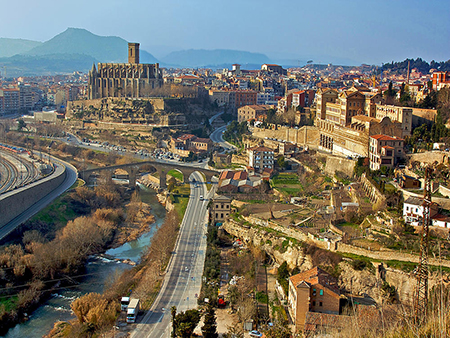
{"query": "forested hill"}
(423, 66)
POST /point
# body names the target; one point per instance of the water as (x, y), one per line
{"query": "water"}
(98, 273)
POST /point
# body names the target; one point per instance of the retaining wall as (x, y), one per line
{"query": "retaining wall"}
(15, 202)
(387, 255)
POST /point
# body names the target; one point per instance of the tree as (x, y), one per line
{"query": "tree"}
(186, 322)
(209, 328)
(21, 124)
(281, 162)
(279, 330)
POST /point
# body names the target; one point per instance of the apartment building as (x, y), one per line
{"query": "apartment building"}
(221, 97)
(187, 143)
(220, 209)
(260, 158)
(312, 291)
(385, 151)
(256, 112)
(11, 100)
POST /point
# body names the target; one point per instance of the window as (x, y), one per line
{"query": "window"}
(314, 292)
(314, 303)
(320, 303)
(217, 215)
(321, 293)
(221, 215)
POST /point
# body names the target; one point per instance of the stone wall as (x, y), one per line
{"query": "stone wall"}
(375, 196)
(339, 163)
(306, 135)
(429, 157)
(17, 201)
(269, 242)
(387, 255)
(355, 282)
(444, 191)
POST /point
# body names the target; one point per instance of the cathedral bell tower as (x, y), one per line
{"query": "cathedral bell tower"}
(133, 53)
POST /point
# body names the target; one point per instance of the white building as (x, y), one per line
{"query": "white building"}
(413, 210)
(260, 158)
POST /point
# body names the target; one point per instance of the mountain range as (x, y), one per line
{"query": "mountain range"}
(76, 49)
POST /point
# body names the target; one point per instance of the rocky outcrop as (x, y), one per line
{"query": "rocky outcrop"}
(279, 248)
(359, 283)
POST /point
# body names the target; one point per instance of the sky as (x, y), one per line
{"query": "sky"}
(352, 31)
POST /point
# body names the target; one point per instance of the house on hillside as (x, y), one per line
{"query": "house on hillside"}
(314, 291)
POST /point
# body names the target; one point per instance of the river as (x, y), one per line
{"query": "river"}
(98, 273)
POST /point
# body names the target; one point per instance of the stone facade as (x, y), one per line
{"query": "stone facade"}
(132, 79)
(220, 209)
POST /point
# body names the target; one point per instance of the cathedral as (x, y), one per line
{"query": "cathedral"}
(132, 79)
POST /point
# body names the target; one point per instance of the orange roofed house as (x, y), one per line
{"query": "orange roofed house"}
(385, 151)
(186, 143)
(312, 291)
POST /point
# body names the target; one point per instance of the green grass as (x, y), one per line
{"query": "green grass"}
(287, 183)
(262, 297)
(348, 224)
(285, 178)
(176, 174)
(389, 188)
(78, 183)
(10, 303)
(181, 199)
(56, 212)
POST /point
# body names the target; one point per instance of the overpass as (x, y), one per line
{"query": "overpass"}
(162, 168)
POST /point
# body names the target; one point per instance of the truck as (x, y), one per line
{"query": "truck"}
(124, 303)
(132, 310)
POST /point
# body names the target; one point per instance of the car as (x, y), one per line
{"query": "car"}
(255, 334)
(186, 269)
(201, 197)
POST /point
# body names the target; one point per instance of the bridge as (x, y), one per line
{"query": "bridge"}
(162, 168)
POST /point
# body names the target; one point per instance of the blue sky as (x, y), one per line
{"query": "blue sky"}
(360, 31)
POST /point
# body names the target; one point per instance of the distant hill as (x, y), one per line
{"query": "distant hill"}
(26, 65)
(81, 41)
(10, 47)
(423, 66)
(202, 57)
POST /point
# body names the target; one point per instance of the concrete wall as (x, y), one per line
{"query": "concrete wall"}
(17, 201)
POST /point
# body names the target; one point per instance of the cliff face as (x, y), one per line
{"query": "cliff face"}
(358, 283)
(271, 244)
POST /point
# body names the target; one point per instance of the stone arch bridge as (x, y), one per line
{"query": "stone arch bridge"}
(133, 170)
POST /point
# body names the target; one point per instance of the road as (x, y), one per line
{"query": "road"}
(216, 137)
(70, 179)
(182, 282)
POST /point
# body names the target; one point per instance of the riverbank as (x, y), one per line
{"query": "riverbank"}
(99, 273)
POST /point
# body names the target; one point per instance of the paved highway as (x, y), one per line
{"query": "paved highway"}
(216, 137)
(70, 179)
(182, 282)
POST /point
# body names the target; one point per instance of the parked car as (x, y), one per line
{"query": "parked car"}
(255, 334)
